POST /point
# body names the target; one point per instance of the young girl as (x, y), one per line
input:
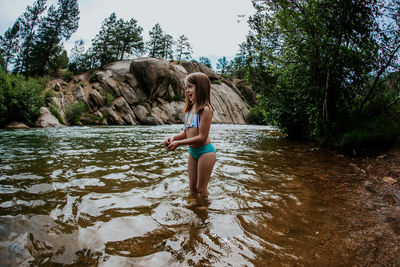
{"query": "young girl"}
(195, 132)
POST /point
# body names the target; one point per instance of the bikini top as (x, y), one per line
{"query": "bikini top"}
(192, 120)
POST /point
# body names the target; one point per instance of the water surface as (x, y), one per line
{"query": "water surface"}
(113, 196)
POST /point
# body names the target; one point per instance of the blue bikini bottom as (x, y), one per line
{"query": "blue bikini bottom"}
(198, 151)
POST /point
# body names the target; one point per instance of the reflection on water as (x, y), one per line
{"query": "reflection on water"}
(113, 196)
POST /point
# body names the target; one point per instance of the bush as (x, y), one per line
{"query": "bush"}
(370, 136)
(68, 76)
(256, 116)
(93, 77)
(75, 111)
(20, 99)
(108, 98)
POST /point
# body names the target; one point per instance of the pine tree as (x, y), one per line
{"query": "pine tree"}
(59, 24)
(205, 61)
(128, 38)
(167, 48)
(9, 43)
(222, 64)
(156, 43)
(103, 45)
(184, 49)
(28, 25)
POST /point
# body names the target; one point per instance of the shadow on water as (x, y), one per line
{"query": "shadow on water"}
(112, 196)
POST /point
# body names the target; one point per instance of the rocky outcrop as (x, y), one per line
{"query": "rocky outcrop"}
(145, 91)
(46, 119)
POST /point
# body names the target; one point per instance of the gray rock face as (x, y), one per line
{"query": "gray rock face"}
(151, 91)
(46, 119)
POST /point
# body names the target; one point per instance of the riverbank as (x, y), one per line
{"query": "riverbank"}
(371, 217)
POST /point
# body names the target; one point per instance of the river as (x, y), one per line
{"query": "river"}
(113, 196)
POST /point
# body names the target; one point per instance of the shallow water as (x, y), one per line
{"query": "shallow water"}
(113, 196)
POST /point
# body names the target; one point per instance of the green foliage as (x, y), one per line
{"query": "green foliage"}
(321, 65)
(58, 62)
(115, 40)
(9, 43)
(68, 76)
(222, 64)
(184, 49)
(205, 61)
(93, 77)
(20, 99)
(108, 98)
(369, 135)
(75, 111)
(49, 94)
(256, 116)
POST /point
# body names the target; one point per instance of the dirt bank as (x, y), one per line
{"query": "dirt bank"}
(368, 229)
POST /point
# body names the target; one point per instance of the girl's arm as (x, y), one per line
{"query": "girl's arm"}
(180, 136)
(201, 138)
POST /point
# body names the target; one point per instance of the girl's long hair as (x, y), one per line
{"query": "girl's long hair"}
(203, 87)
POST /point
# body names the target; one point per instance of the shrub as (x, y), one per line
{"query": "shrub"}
(68, 76)
(256, 116)
(20, 99)
(108, 98)
(49, 94)
(369, 136)
(93, 77)
(75, 111)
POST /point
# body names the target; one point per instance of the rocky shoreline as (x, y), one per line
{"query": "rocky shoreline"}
(367, 231)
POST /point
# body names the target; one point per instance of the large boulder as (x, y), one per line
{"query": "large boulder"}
(156, 77)
(46, 119)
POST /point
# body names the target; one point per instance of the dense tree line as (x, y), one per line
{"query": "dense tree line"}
(33, 45)
(325, 70)
(119, 39)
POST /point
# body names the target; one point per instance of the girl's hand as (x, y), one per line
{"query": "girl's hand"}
(172, 146)
(168, 141)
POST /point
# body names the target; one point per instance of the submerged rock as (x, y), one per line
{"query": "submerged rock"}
(17, 125)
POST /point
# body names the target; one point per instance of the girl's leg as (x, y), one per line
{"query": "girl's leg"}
(192, 173)
(205, 165)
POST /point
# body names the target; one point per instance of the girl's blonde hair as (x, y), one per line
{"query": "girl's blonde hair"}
(203, 87)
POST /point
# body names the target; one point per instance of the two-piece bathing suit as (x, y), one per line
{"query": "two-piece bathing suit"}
(193, 121)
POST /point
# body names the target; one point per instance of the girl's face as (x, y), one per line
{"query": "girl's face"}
(191, 92)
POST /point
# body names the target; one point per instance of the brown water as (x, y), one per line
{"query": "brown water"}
(113, 196)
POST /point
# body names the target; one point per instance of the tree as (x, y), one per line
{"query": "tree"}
(9, 43)
(58, 62)
(156, 44)
(222, 64)
(103, 45)
(184, 48)
(324, 61)
(128, 38)
(28, 25)
(167, 48)
(205, 61)
(59, 24)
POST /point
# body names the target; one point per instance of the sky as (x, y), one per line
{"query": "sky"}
(215, 28)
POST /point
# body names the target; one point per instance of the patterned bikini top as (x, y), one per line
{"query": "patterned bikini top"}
(192, 120)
